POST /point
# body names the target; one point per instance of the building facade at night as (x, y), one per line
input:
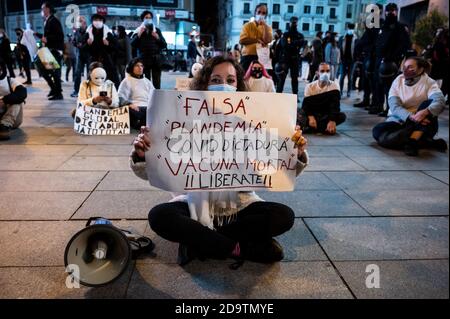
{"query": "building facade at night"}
(314, 15)
(175, 18)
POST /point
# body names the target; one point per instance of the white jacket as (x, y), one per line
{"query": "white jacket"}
(136, 91)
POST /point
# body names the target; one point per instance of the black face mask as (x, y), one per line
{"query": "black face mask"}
(391, 18)
(257, 74)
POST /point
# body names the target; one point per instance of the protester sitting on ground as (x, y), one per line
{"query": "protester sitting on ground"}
(321, 110)
(136, 91)
(257, 79)
(97, 91)
(12, 97)
(415, 101)
(227, 223)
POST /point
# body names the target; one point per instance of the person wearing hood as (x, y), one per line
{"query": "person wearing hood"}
(257, 79)
(12, 97)
(97, 91)
(321, 109)
(415, 102)
(149, 42)
(136, 91)
(102, 44)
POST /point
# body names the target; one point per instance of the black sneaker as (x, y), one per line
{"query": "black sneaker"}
(56, 97)
(5, 132)
(360, 104)
(187, 254)
(383, 114)
(411, 148)
(266, 252)
(74, 94)
(439, 145)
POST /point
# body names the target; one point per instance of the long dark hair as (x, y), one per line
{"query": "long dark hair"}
(421, 63)
(200, 82)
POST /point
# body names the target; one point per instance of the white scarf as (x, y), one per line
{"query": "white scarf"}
(106, 30)
(205, 207)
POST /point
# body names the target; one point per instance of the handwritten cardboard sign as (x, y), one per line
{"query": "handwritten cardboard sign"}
(212, 141)
(96, 121)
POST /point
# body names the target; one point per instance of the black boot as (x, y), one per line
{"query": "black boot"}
(267, 251)
(412, 147)
(5, 132)
(439, 145)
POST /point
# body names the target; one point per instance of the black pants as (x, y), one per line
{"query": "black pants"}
(322, 121)
(381, 88)
(138, 119)
(246, 60)
(293, 67)
(81, 65)
(395, 135)
(153, 69)
(258, 221)
(346, 70)
(53, 77)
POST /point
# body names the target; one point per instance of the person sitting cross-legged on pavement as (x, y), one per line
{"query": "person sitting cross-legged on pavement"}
(415, 102)
(12, 97)
(136, 90)
(321, 111)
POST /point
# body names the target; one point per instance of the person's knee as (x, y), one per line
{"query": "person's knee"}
(158, 217)
(285, 218)
(376, 131)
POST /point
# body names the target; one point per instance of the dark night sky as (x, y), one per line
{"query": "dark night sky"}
(206, 16)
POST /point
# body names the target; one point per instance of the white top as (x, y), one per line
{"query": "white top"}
(412, 96)
(260, 85)
(313, 88)
(88, 91)
(136, 91)
(4, 86)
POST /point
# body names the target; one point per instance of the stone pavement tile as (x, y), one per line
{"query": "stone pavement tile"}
(42, 243)
(317, 203)
(38, 121)
(30, 162)
(39, 150)
(358, 133)
(40, 205)
(314, 181)
(403, 202)
(336, 140)
(333, 164)
(382, 238)
(440, 175)
(96, 163)
(415, 279)
(121, 204)
(42, 131)
(49, 181)
(403, 163)
(124, 181)
(368, 181)
(30, 139)
(50, 283)
(46, 113)
(216, 280)
(323, 151)
(95, 140)
(298, 245)
(368, 151)
(105, 150)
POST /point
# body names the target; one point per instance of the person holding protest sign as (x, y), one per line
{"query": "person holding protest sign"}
(221, 224)
(97, 91)
(136, 90)
(257, 78)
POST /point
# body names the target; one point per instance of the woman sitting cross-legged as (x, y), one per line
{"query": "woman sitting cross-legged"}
(220, 224)
(415, 102)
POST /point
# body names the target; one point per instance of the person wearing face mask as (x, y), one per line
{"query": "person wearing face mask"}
(102, 45)
(123, 55)
(12, 98)
(53, 39)
(136, 91)
(347, 49)
(321, 110)
(253, 33)
(149, 42)
(415, 103)
(392, 43)
(257, 79)
(82, 53)
(290, 45)
(225, 224)
(97, 91)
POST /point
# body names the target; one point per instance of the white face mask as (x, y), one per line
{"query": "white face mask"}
(259, 18)
(98, 76)
(42, 14)
(222, 88)
(324, 77)
(98, 24)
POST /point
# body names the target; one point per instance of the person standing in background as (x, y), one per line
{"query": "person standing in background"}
(5, 52)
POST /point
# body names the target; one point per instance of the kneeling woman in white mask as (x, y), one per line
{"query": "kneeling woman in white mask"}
(223, 224)
(97, 91)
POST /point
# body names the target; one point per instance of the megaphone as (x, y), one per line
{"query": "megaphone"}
(101, 252)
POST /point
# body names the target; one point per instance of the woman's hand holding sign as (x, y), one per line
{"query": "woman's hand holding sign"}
(300, 141)
(142, 142)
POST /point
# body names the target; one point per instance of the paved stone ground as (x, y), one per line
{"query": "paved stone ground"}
(356, 205)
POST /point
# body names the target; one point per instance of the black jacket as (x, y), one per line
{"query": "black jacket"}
(5, 50)
(99, 51)
(80, 42)
(290, 45)
(54, 33)
(148, 47)
(17, 96)
(192, 50)
(392, 42)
